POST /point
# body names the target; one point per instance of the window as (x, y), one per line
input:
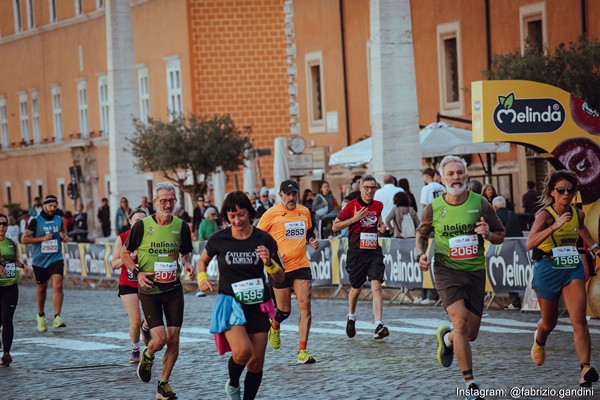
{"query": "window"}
(53, 17)
(4, 123)
(24, 118)
(99, 4)
(35, 117)
(78, 7)
(57, 114)
(533, 26)
(315, 91)
(29, 194)
(40, 188)
(450, 68)
(83, 109)
(103, 101)
(8, 192)
(174, 88)
(144, 94)
(17, 13)
(30, 15)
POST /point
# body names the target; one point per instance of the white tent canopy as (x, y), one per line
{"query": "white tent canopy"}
(281, 169)
(354, 155)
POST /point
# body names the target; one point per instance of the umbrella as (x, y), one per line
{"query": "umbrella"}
(354, 155)
(218, 181)
(441, 139)
(281, 170)
(249, 176)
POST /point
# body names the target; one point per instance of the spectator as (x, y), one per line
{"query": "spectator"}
(264, 203)
(475, 186)
(531, 202)
(68, 221)
(403, 183)
(208, 226)
(121, 220)
(354, 192)
(104, 217)
(23, 223)
(307, 200)
(181, 213)
(81, 225)
(198, 214)
(13, 232)
(36, 209)
(386, 195)
(489, 192)
(323, 204)
(401, 211)
(146, 206)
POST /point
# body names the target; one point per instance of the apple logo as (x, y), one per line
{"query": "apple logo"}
(582, 156)
(584, 116)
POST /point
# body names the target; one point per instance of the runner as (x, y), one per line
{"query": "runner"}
(163, 243)
(242, 309)
(9, 290)
(365, 257)
(46, 233)
(290, 225)
(128, 291)
(461, 221)
(559, 270)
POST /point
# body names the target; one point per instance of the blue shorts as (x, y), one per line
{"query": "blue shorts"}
(548, 281)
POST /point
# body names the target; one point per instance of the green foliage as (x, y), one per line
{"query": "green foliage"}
(574, 67)
(14, 209)
(192, 143)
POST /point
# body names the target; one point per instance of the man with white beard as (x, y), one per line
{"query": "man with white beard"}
(462, 220)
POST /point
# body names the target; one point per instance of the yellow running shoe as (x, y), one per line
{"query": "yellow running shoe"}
(538, 353)
(304, 357)
(41, 324)
(274, 337)
(58, 322)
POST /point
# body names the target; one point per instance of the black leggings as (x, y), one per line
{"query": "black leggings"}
(9, 297)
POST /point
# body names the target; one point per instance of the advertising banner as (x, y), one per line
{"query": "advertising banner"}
(401, 265)
(321, 263)
(73, 255)
(509, 267)
(96, 260)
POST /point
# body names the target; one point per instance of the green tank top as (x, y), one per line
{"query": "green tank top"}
(158, 253)
(8, 254)
(457, 246)
(567, 235)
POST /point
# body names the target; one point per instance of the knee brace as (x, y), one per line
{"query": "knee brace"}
(281, 316)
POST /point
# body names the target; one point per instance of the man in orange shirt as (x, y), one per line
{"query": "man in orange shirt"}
(290, 225)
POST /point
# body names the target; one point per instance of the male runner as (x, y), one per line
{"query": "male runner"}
(365, 257)
(46, 233)
(461, 220)
(290, 225)
(163, 244)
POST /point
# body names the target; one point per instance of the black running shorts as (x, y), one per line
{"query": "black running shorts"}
(290, 277)
(125, 289)
(172, 304)
(43, 274)
(256, 320)
(454, 285)
(364, 264)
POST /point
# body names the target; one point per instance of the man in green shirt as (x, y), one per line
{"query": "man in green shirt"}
(163, 244)
(461, 220)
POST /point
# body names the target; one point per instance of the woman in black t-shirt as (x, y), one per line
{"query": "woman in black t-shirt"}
(242, 309)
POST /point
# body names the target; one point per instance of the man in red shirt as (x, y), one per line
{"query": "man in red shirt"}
(365, 257)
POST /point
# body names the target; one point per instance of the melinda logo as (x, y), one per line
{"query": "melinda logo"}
(528, 115)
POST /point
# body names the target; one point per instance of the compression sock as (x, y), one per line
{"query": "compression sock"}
(251, 384)
(235, 371)
(468, 376)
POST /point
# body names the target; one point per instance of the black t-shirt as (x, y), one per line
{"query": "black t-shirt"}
(238, 260)
(32, 226)
(137, 233)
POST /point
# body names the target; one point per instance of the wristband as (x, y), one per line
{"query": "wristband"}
(273, 268)
(136, 271)
(593, 247)
(202, 276)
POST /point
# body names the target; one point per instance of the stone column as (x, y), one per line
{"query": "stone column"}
(125, 181)
(394, 113)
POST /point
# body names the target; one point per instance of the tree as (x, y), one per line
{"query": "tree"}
(189, 145)
(574, 67)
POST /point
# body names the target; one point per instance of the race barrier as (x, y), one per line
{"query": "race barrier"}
(509, 267)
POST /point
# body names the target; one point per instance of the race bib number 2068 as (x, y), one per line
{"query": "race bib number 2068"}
(464, 247)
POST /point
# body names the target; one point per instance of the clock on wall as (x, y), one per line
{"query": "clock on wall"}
(297, 145)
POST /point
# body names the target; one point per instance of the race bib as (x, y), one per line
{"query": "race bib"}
(565, 257)
(250, 291)
(11, 270)
(50, 246)
(464, 247)
(130, 276)
(165, 272)
(295, 230)
(368, 240)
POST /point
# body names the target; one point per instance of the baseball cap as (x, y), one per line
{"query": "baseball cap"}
(288, 186)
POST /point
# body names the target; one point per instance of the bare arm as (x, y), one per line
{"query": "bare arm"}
(204, 283)
(116, 257)
(543, 226)
(28, 237)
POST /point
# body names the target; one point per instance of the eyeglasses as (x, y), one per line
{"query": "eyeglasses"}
(163, 202)
(367, 188)
(264, 195)
(4, 224)
(200, 200)
(562, 190)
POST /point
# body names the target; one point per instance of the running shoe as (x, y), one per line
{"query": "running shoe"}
(381, 331)
(59, 322)
(445, 354)
(200, 293)
(274, 337)
(146, 335)
(538, 353)
(164, 392)
(473, 392)
(350, 327)
(135, 356)
(428, 302)
(304, 357)
(587, 379)
(7, 359)
(41, 324)
(233, 393)
(417, 300)
(144, 369)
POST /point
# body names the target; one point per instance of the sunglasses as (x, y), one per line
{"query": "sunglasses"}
(562, 190)
(5, 224)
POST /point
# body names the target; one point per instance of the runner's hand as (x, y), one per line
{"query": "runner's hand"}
(143, 280)
(314, 243)
(206, 286)
(187, 267)
(47, 236)
(360, 213)
(424, 262)
(28, 271)
(264, 254)
(482, 228)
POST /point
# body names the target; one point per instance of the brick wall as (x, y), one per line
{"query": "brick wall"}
(238, 67)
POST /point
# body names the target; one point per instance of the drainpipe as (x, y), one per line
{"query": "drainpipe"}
(341, 3)
(583, 23)
(488, 39)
